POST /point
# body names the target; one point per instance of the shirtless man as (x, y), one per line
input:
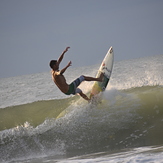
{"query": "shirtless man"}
(60, 81)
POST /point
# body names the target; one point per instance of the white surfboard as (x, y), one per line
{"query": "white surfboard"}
(105, 68)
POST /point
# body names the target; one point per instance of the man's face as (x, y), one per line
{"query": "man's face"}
(56, 66)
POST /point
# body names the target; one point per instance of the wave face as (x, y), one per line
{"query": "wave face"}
(129, 115)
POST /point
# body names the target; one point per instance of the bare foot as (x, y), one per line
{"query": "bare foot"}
(101, 77)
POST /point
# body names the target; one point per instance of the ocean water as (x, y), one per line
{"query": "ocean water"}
(38, 123)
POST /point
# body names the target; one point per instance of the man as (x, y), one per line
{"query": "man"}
(60, 81)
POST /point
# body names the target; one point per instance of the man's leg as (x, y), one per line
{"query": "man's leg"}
(87, 78)
(84, 96)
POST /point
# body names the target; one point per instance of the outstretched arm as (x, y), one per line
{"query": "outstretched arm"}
(62, 55)
(64, 69)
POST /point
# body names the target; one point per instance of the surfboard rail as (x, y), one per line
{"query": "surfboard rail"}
(105, 68)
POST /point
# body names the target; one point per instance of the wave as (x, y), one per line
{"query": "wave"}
(34, 113)
(124, 119)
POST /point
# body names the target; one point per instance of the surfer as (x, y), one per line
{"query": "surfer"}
(60, 81)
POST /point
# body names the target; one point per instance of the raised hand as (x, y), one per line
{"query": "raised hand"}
(66, 49)
(69, 64)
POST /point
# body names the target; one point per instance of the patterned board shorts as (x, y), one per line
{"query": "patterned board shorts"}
(73, 86)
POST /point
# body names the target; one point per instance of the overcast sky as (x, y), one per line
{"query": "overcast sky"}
(32, 32)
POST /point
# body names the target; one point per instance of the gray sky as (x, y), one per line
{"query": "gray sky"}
(32, 32)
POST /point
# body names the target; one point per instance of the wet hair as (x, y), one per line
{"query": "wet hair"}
(52, 63)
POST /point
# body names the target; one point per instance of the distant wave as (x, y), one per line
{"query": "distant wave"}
(36, 87)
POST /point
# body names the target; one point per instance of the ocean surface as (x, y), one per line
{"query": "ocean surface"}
(38, 123)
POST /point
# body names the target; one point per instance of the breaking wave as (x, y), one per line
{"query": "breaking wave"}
(124, 119)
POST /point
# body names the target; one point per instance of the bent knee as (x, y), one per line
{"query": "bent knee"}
(82, 78)
(78, 91)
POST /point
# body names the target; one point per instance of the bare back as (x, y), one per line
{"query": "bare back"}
(60, 81)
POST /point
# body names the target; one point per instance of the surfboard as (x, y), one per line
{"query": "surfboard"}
(105, 68)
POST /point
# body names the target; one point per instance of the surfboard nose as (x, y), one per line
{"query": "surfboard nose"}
(111, 49)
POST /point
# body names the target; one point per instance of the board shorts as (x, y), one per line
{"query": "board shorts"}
(73, 86)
